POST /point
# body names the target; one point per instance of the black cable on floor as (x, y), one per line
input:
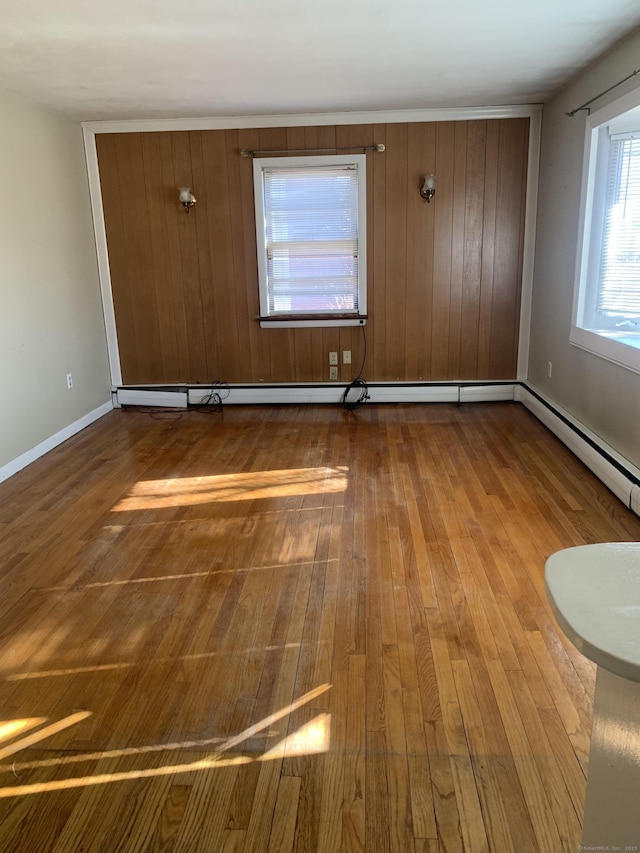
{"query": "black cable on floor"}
(212, 402)
(349, 401)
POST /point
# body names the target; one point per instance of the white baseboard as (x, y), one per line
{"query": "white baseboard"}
(333, 393)
(398, 393)
(321, 392)
(486, 393)
(264, 395)
(152, 397)
(48, 444)
(616, 472)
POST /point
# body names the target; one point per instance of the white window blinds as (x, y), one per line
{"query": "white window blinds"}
(619, 290)
(311, 236)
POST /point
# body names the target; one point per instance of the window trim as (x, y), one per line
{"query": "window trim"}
(321, 319)
(588, 253)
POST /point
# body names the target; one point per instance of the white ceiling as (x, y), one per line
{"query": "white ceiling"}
(121, 59)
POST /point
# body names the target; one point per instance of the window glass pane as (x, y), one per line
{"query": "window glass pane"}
(311, 231)
(619, 290)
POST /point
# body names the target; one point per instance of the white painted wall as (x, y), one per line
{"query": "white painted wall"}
(600, 394)
(51, 319)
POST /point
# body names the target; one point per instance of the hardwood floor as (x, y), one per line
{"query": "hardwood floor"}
(295, 629)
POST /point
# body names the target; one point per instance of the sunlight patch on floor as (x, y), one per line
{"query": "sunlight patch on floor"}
(189, 491)
(43, 734)
(312, 738)
(10, 728)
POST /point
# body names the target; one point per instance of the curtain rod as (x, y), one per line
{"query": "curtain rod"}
(585, 106)
(247, 152)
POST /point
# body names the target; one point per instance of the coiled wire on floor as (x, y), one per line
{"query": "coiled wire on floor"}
(350, 400)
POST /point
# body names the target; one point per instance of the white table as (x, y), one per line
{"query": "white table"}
(594, 592)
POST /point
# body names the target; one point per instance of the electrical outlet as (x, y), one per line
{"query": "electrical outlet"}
(69, 381)
(346, 356)
(333, 372)
(333, 358)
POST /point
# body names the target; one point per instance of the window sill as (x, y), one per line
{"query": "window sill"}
(622, 348)
(298, 321)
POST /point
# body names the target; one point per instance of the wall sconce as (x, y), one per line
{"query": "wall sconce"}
(187, 198)
(428, 188)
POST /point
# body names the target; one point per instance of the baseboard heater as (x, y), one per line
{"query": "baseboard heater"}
(262, 394)
(163, 398)
(617, 473)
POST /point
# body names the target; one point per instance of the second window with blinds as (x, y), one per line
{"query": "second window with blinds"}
(607, 294)
(311, 239)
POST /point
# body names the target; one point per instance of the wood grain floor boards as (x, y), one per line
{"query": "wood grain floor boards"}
(295, 630)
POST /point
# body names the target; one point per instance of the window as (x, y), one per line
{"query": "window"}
(619, 292)
(607, 300)
(310, 227)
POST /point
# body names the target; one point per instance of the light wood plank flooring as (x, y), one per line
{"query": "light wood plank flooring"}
(295, 629)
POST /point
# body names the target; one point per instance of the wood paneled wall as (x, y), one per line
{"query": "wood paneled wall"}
(443, 278)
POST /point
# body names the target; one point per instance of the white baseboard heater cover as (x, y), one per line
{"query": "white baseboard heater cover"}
(332, 393)
(392, 392)
(616, 472)
(161, 398)
(486, 393)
